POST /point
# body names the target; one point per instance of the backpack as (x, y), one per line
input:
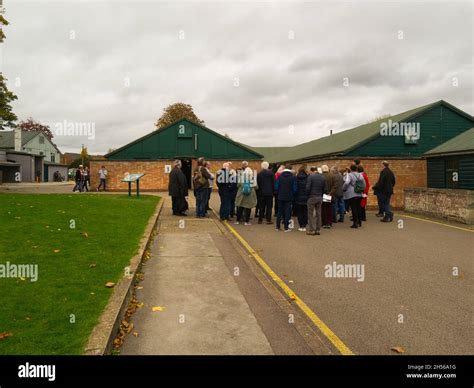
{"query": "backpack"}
(359, 186)
(246, 188)
(199, 178)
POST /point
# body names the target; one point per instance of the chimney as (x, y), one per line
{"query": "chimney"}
(330, 132)
(17, 139)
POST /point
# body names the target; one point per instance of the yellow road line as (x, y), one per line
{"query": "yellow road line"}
(335, 340)
(438, 223)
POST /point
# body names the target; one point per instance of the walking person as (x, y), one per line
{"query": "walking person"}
(79, 179)
(326, 207)
(286, 187)
(102, 177)
(301, 198)
(86, 179)
(353, 187)
(178, 189)
(315, 188)
(201, 187)
(337, 196)
(246, 198)
(266, 189)
(225, 190)
(363, 202)
(384, 187)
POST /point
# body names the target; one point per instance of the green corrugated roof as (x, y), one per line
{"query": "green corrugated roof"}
(269, 152)
(342, 142)
(459, 144)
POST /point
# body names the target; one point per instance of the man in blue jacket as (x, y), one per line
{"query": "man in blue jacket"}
(286, 187)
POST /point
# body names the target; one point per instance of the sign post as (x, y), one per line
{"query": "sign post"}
(129, 178)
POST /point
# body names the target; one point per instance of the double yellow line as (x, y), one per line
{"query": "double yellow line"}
(328, 333)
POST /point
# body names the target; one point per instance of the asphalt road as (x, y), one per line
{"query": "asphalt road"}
(408, 298)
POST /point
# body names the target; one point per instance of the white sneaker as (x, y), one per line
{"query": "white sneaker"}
(302, 229)
(247, 224)
(287, 230)
(236, 223)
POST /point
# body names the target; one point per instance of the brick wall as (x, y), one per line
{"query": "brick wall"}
(155, 178)
(457, 205)
(408, 173)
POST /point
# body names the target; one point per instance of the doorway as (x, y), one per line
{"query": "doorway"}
(186, 168)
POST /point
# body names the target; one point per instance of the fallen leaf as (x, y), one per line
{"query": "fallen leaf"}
(139, 288)
(157, 308)
(28, 318)
(398, 349)
(109, 284)
(85, 234)
(56, 251)
(292, 297)
(34, 246)
(92, 265)
(5, 334)
(140, 305)
(135, 334)
(290, 281)
(125, 323)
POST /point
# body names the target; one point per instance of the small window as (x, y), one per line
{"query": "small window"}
(53, 157)
(41, 139)
(452, 174)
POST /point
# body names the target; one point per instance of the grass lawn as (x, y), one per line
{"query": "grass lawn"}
(72, 279)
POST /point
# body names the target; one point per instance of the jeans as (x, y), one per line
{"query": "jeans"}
(224, 210)
(314, 221)
(243, 214)
(302, 214)
(284, 213)
(102, 183)
(266, 205)
(78, 186)
(338, 207)
(202, 195)
(385, 202)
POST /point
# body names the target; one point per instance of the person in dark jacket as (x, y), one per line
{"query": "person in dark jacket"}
(79, 179)
(337, 196)
(316, 186)
(201, 187)
(301, 198)
(225, 189)
(384, 190)
(178, 190)
(266, 188)
(285, 188)
(326, 207)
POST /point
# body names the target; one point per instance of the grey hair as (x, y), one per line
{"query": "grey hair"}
(265, 165)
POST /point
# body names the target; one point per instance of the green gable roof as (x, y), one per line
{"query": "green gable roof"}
(169, 143)
(463, 143)
(269, 152)
(342, 142)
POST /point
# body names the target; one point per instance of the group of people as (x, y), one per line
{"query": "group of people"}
(317, 196)
(82, 179)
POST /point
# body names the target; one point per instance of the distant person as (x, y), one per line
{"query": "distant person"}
(79, 178)
(225, 190)
(233, 190)
(363, 202)
(326, 207)
(211, 184)
(286, 187)
(246, 198)
(337, 196)
(277, 175)
(315, 188)
(86, 179)
(301, 198)
(103, 177)
(384, 188)
(201, 187)
(354, 186)
(266, 189)
(178, 189)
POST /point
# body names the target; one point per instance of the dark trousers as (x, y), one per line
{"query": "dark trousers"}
(178, 204)
(243, 214)
(224, 210)
(354, 204)
(302, 214)
(363, 217)
(284, 213)
(385, 202)
(379, 203)
(77, 186)
(102, 183)
(266, 206)
(232, 205)
(202, 195)
(326, 213)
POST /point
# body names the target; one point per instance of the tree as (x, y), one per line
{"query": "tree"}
(84, 153)
(32, 125)
(175, 112)
(7, 117)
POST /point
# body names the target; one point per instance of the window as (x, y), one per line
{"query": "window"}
(53, 157)
(452, 174)
(41, 139)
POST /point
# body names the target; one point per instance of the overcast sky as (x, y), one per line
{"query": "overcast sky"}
(267, 74)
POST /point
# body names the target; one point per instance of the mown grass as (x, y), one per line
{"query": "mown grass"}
(56, 314)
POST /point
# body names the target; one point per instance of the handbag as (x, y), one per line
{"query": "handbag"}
(327, 198)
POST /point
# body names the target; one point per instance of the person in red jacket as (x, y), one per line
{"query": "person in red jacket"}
(363, 203)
